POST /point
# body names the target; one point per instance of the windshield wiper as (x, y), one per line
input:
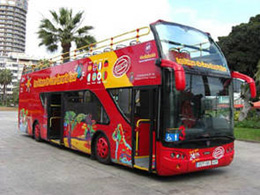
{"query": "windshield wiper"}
(223, 136)
(198, 139)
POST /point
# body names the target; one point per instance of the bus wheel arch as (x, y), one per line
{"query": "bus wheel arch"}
(36, 130)
(100, 148)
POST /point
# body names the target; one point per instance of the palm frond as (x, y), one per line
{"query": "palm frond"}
(48, 26)
(77, 18)
(84, 30)
(65, 16)
(52, 47)
(55, 16)
(47, 38)
(83, 41)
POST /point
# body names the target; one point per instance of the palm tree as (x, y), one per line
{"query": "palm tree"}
(64, 28)
(5, 79)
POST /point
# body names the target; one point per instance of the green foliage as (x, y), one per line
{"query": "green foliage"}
(5, 79)
(15, 95)
(64, 28)
(247, 134)
(252, 120)
(236, 115)
(241, 47)
(5, 76)
(44, 62)
(248, 124)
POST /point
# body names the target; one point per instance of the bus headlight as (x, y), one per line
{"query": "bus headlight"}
(178, 155)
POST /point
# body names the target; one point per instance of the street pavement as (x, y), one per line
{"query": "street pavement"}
(32, 168)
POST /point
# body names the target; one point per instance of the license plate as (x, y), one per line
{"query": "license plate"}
(206, 163)
(203, 163)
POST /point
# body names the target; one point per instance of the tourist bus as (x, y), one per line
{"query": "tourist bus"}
(158, 98)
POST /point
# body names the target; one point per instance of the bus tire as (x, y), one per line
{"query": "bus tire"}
(102, 149)
(37, 132)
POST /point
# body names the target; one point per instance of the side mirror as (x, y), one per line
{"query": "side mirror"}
(248, 79)
(179, 73)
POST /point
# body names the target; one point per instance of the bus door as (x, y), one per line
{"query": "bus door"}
(144, 127)
(54, 117)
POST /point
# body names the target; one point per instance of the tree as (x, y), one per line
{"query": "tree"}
(64, 29)
(242, 46)
(15, 95)
(5, 79)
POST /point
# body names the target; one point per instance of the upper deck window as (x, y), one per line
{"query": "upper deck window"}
(194, 49)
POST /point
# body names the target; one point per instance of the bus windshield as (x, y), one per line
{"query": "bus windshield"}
(192, 48)
(202, 110)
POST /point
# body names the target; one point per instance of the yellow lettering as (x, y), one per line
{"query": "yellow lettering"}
(188, 62)
(56, 80)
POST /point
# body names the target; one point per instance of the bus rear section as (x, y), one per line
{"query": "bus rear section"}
(102, 104)
(163, 105)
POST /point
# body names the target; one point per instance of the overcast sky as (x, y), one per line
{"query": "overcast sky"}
(112, 17)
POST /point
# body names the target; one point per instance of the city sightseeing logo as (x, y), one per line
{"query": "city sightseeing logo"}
(121, 66)
(218, 152)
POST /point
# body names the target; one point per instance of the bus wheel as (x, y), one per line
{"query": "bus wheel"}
(37, 132)
(102, 149)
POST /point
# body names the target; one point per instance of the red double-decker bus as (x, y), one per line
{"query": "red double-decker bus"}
(163, 105)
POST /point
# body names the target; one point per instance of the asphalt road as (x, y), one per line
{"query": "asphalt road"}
(32, 168)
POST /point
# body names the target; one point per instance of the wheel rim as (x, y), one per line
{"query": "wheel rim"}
(37, 131)
(102, 148)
